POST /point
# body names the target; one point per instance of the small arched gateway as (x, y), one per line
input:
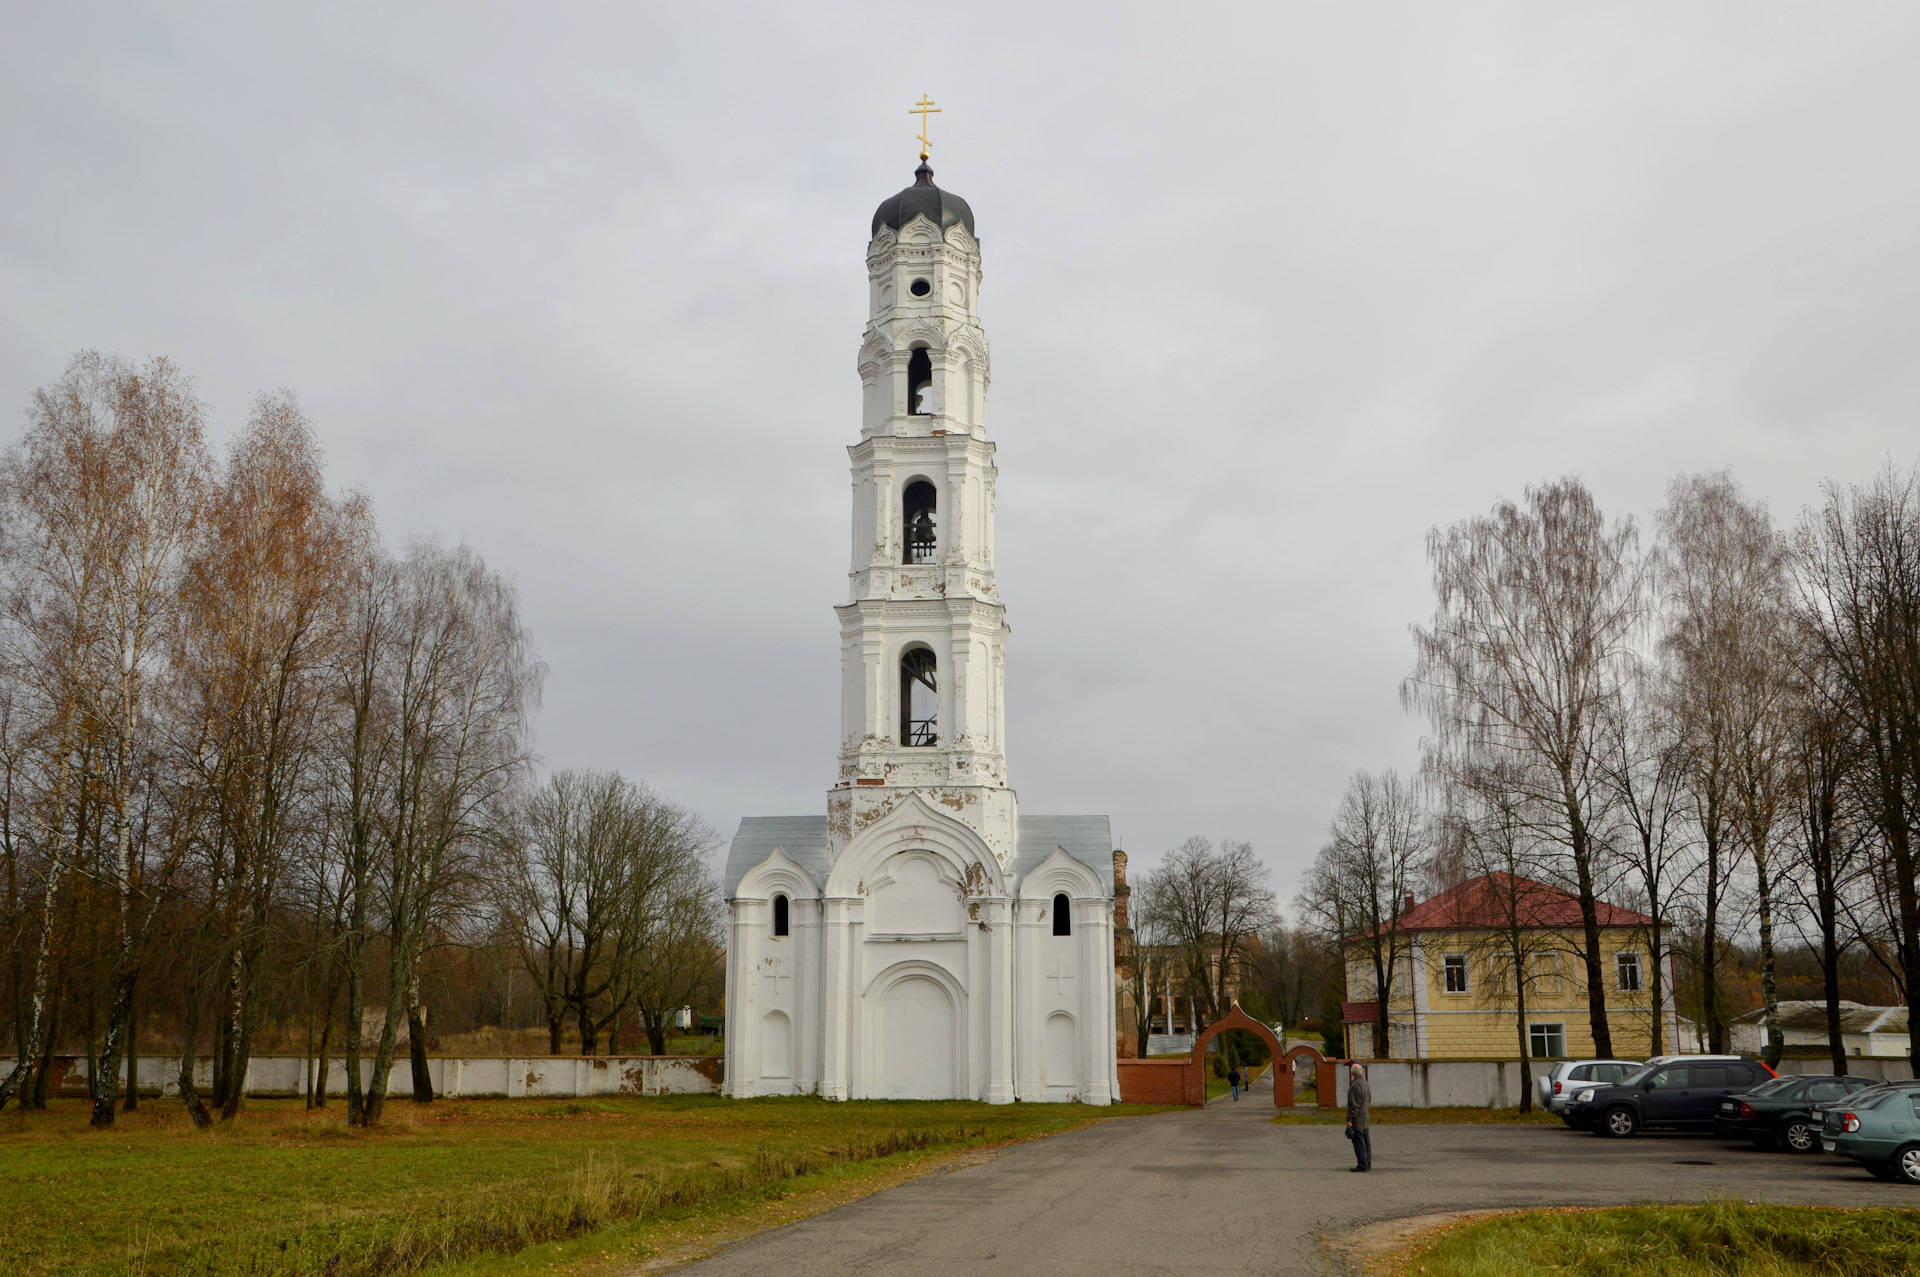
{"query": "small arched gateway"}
(1151, 1081)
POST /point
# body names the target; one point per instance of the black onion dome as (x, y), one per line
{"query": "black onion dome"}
(923, 199)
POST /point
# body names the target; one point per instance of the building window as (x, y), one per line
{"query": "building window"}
(1455, 966)
(1628, 966)
(1546, 973)
(1062, 915)
(780, 915)
(918, 506)
(1403, 1041)
(919, 698)
(1547, 1041)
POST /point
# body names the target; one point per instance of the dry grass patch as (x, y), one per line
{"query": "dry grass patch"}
(285, 1192)
(1716, 1239)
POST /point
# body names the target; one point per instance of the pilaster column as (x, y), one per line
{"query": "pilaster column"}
(835, 983)
(996, 912)
(743, 1059)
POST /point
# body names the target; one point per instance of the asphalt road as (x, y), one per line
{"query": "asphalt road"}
(1222, 1190)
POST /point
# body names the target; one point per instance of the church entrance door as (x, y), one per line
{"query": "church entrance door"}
(915, 1047)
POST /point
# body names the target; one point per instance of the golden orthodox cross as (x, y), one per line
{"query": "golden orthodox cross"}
(923, 108)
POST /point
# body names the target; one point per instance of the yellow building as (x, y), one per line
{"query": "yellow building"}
(1453, 992)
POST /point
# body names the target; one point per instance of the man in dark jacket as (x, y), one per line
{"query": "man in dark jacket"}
(1359, 1102)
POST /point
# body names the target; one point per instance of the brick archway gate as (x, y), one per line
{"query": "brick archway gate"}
(1235, 1018)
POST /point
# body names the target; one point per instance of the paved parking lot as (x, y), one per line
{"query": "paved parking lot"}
(1224, 1190)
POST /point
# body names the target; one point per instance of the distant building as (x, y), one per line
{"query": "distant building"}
(1454, 994)
(1864, 1031)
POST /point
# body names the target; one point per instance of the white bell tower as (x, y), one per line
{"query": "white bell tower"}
(923, 632)
(922, 939)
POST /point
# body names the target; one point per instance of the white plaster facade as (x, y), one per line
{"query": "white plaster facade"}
(922, 956)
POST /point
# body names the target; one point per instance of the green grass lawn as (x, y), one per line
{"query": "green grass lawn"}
(1719, 1239)
(1306, 1113)
(283, 1191)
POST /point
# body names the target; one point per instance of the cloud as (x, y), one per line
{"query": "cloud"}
(1272, 290)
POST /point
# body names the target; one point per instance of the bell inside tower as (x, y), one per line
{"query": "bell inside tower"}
(917, 506)
(919, 383)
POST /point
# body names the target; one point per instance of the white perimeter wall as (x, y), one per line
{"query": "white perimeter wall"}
(1496, 1083)
(537, 1076)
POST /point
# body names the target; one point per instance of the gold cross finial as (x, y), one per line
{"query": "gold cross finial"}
(923, 108)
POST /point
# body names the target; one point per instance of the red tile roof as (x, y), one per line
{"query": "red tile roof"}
(1481, 903)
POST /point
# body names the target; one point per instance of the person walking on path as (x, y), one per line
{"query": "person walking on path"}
(1359, 1101)
(1233, 1083)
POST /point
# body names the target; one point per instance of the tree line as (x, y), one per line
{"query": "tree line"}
(1719, 728)
(257, 769)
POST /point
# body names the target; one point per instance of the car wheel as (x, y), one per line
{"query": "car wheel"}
(1619, 1122)
(1906, 1164)
(1798, 1137)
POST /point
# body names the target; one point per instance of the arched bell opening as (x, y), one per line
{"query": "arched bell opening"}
(920, 383)
(919, 698)
(1062, 915)
(918, 505)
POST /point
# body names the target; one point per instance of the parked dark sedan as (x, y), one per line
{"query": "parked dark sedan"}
(1780, 1113)
(1681, 1096)
(1879, 1128)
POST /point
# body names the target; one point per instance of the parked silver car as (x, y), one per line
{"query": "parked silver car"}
(1558, 1085)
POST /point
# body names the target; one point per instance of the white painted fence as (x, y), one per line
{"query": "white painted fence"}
(1446, 1083)
(1496, 1083)
(535, 1076)
(1879, 1068)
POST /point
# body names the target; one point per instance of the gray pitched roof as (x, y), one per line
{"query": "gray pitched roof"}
(803, 838)
(1811, 1017)
(1088, 839)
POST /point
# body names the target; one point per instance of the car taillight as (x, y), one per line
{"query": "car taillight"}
(1848, 1122)
(1746, 1109)
(1556, 1088)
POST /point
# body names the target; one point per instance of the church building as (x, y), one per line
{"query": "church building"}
(923, 938)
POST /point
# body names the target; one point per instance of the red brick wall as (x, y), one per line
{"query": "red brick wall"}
(1162, 1082)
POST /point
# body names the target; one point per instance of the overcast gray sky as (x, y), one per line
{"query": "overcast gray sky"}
(1272, 290)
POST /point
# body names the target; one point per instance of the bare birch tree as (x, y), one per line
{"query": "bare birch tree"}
(1860, 583)
(1729, 640)
(1207, 903)
(1536, 608)
(100, 500)
(1646, 767)
(463, 685)
(1358, 888)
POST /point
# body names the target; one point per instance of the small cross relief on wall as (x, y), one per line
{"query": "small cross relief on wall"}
(1060, 976)
(773, 971)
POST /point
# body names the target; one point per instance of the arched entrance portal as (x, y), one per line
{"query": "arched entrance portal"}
(1235, 1018)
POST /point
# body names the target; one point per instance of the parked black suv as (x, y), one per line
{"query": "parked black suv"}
(1779, 1112)
(1681, 1094)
